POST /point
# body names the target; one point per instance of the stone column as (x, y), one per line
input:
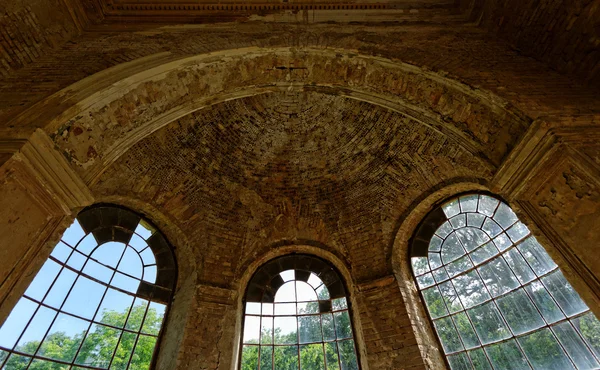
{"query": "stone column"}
(39, 196)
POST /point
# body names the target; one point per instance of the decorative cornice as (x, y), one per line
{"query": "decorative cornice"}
(53, 172)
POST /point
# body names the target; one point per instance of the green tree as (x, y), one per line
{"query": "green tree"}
(98, 347)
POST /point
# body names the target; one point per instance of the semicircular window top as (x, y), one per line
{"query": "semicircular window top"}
(297, 317)
(496, 298)
(98, 302)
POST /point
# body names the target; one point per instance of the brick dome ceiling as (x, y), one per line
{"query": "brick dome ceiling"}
(277, 165)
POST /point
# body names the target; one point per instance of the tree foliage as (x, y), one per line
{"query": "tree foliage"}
(98, 346)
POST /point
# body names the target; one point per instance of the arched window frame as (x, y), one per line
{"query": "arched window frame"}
(102, 224)
(420, 247)
(267, 280)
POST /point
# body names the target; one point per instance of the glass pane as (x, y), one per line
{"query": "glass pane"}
(61, 252)
(3, 356)
(154, 318)
(150, 274)
(307, 307)
(134, 321)
(87, 244)
(434, 302)
(322, 292)
(339, 304)
(142, 355)
(544, 352)
(266, 358)
(484, 253)
(458, 221)
(266, 331)
(305, 292)
(347, 355)
(468, 203)
(45, 364)
(544, 302)
(114, 308)
(125, 282)
(61, 287)
(84, 298)
(450, 297)
(267, 308)
(519, 266)
(487, 205)
(311, 357)
(123, 352)
(459, 266)
(564, 293)
(98, 346)
(16, 322)
(131, 264)
(537, 257)
(470, 289)
(251, 329)
(519, 312)
(459, 362)
(328, 328)
(286, 330)
(507, 356)
(76, 261)
(73, 234)
(42, 281)
(148, 257)
(97, 271)
(452, 249)
(64, 338)
(448, 335)
(575, 346)
(288, 275)
(314, 281)
(465, 329)
(475, 219)
(451, 208)
(444, 230)
(16, 362)
(137, 243)
(342, 324)
(440, 275)
(505, 216)
(472, 238)
(425, 281)
(517, 232)
(498, 277)
(36, 330)
(435, 244)
(253, 308)
(435, 260)
(488, 323)
(588, 326)
(331, 356)
(286, 292)
(285, 308)
(250, 357)
(479, 360)
(109, 253)
(491, 227)
(309, 329)
(420, 265)
(286, 357)
(502, 242)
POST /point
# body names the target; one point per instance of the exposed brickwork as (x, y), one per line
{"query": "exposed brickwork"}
(31, 29)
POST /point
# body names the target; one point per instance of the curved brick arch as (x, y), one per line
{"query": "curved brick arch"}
(99, 128)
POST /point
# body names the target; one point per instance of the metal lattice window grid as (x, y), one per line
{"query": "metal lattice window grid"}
(297, 317)
(496, 298)
(98, 302)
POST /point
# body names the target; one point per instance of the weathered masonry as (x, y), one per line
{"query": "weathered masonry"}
(404, 184)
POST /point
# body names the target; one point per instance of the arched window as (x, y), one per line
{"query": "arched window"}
(496, 298)
(99, 301)
(297, 317)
